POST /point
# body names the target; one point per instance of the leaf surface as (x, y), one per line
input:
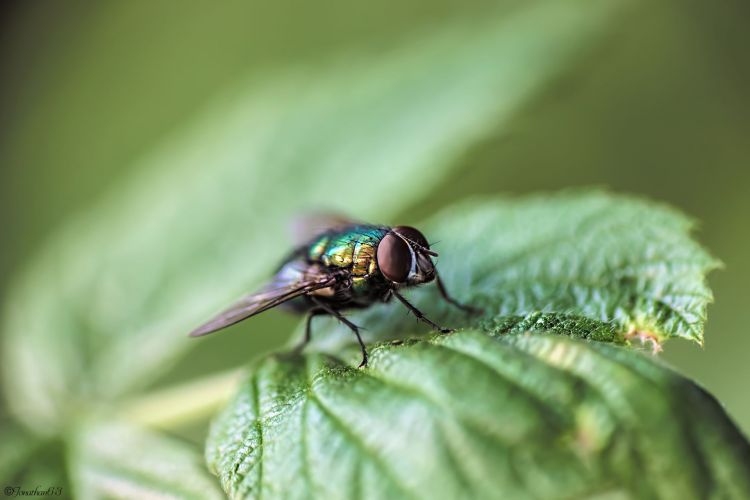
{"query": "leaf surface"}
(503, 412)
(469, 415)
(586, 264)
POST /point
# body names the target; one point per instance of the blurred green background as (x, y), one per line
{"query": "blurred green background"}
(660, 107)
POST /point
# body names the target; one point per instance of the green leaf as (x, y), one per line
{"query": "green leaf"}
(107, 303)
(470, 415)
(513, 416)
(28, 462)
(17, 449)
(124, 461)
(584, 264)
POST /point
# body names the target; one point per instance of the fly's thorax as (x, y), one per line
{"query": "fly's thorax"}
(352, 248)
(364, 262)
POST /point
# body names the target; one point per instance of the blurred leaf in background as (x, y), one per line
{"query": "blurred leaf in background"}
(110, 298)
(117, 460)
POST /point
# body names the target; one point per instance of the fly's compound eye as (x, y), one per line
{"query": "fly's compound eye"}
(394, 258)
(413, 235)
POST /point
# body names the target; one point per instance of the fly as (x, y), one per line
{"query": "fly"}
(346, 266)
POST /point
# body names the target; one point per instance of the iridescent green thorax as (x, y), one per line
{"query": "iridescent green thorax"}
(355, 248)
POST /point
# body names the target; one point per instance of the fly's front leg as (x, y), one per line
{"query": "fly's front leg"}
(420, 315)
(444, 293)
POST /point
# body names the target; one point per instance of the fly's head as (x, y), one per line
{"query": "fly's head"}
(404, 257)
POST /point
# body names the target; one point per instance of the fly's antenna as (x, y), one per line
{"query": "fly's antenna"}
(426, 251)
(419, 248)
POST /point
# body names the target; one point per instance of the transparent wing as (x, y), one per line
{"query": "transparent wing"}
(262, 301)
(305, 227)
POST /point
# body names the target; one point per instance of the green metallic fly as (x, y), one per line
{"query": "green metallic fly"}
(348, 265)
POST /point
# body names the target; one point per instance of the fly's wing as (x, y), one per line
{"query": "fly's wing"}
(258, 302)
(307, 226)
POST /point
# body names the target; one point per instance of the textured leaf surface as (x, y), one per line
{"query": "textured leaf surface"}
(584, 264)
(204, 218)
(123, 461)
(470, 415)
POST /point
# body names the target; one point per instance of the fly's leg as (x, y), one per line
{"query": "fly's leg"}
(352, 327)
(444, 293)
(420, 315)
(308, 330)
